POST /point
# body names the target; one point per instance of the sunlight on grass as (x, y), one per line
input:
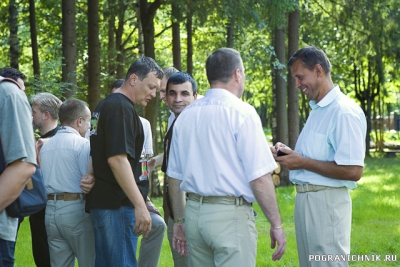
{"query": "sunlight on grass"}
(375, 226)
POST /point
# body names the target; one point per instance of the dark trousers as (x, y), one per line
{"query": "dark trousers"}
(40, 247)
(7, 253)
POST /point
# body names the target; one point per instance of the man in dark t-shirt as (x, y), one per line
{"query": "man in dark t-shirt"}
(45, 108)
(117, 200)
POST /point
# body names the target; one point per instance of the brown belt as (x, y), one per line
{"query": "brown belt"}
(302, 188)
(66, 196)
(225, 200)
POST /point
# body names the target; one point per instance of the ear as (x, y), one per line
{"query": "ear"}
(195, 96)
(132, 79)
(46, 115)
(79, 121)
(237, 75)
(319, 70)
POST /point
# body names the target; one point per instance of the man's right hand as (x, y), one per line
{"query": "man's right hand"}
(142, 221)
(278, 237)
(179, 239)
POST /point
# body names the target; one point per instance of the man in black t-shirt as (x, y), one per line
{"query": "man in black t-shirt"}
(117, 200)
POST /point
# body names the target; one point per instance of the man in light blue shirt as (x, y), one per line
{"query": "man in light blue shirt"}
(64, 159)
(327, 161)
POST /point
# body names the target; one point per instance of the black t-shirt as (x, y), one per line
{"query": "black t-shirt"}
(50, 133)
(116, 129)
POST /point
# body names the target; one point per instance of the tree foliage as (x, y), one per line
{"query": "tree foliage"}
(361, 38)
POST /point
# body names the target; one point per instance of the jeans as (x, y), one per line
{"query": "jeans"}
(7, 253)
(115, 241)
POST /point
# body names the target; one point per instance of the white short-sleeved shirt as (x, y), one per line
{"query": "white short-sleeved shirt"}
(335, 131)
(218, 147)
(148, 141)
(64, 160)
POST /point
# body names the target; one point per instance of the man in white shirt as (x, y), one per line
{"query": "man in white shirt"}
(220, 157)
(64, 159)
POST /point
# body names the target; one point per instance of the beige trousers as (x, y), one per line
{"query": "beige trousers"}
(323, 226)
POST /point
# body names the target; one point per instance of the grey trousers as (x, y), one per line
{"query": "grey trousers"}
(150, 246)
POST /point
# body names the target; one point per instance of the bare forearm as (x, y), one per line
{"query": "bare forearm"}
(90, 166)
(295, 161)
(264, 191)
(13, 180)
(332, 170)
(123, 174)
(177, 197)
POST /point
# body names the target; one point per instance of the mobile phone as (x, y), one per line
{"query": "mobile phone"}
(281, 153)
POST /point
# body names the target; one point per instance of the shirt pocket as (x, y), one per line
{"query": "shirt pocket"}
(318, 146)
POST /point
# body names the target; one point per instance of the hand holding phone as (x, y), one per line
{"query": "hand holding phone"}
(281, 153)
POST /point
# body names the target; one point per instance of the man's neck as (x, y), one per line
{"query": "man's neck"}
(47, 128)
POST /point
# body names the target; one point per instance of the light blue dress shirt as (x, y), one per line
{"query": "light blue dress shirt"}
(64, 160)
(335, 131)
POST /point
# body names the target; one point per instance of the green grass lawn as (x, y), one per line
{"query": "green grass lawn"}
(375, 227)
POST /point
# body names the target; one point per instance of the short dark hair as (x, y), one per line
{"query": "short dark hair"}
(311, 56)
(222, 63)
(143, 66)
(12, 73)
(117, 84)
(182, 77)
(71, 110)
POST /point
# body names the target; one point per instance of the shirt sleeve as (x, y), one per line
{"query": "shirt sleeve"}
(16, 125)
(348, 140)
(174, 168)
(253, 148)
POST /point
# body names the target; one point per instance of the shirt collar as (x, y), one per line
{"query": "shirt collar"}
(330, 96)
(50, 133)
(68, 129)
(218, 92)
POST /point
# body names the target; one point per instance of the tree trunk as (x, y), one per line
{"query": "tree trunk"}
(120, 60)
(14, 41)
(147, 13)
(293, 93)
(176, 37)
(189, 32)
(69, 50)
(281, 98)
(110, 15)
(32, 24)
(140, 32)
(94, 54)
(231, 33)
